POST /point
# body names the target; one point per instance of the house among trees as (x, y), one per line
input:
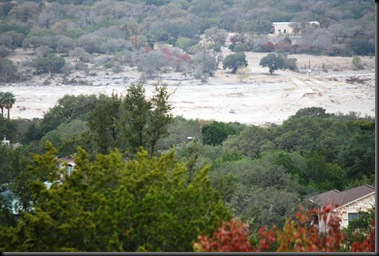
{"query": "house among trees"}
(5, 141)
(280, 28)
(68, 163)
(346, 204)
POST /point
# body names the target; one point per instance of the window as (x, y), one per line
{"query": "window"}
(70, 168)
(352, 216)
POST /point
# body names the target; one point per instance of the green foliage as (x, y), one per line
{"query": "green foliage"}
(362, 46)
(215, 132)
(254, 190)
(357, 64)
(109, 205)
(8, 71)
(311, 111)
(67, 137)
(7, 99)
(49, 64)
(67, 109)
(157, 2)
(179, 130)
(235, 61)
(357, 156)
(358, 229)
(273, 62)
(102, 122)
(260, 173)
(185, 43)
(16, 27)
(143, 122)
(250, 142)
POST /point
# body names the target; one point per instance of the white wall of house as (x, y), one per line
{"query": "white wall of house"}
(282, 28)
(361, 205)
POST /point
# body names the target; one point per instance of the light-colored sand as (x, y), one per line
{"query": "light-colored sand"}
(261, 98)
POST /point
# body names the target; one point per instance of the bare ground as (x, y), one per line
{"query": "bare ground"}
(259, 99)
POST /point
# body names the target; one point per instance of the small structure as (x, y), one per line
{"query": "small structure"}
(288, 27)
(68, 163)
(282, 28)
(5, 141)
(346, 204)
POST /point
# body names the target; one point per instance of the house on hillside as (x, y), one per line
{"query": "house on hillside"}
(280, 28)
(346, 204)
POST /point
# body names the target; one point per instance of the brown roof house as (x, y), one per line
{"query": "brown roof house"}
(346, 204)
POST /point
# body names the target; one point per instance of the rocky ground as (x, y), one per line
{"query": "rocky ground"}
(258, 99)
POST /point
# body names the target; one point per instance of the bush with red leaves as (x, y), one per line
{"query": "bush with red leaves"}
(233, 236)
(298, 235)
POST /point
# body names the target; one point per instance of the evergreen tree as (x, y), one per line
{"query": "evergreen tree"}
(109, 205)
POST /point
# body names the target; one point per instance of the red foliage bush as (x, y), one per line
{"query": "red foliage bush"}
(298, 235)
(233, 236)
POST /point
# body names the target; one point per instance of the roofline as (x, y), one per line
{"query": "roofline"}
(283, 22)
(369, 194)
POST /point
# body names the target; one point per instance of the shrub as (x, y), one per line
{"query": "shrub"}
(357, 64)
(8, 71)
(48, 64)
(298, 235)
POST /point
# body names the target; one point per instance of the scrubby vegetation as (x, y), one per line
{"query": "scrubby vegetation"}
(185, 36)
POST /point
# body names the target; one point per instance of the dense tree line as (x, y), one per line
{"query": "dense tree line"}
(157, 36)
(260, 175)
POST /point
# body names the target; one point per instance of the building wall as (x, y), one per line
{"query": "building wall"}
(279, 29)
(362, 205)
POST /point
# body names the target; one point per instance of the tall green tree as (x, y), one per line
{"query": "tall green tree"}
(107, 204)
(2, 103)
(102, 122)
(235, 61)
(273, 62)
(7, 99)
(143, 121)
(215, 133)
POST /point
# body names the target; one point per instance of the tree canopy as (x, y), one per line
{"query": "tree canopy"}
(107, 204)
(273, 62)
(235, 61)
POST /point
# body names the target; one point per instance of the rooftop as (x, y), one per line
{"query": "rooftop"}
(338, 198)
